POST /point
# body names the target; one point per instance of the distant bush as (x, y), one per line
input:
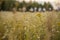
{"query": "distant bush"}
(9, 4)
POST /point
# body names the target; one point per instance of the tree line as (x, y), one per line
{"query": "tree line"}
(8, 5)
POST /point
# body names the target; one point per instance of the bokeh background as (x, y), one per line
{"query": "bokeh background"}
(29, 20)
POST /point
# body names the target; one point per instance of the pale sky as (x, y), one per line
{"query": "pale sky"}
(41, 0)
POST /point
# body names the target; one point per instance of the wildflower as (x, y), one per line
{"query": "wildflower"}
(39, 15)
(57, 31)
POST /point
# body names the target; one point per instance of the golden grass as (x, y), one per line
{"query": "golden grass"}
(27, 26)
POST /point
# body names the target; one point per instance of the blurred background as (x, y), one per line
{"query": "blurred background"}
(29, 19)
(30, 5)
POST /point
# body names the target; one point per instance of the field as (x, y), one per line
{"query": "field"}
(30, 26)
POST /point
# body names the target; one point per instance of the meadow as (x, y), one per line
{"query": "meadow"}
(30, 25)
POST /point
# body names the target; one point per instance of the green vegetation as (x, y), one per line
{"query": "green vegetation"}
(10, 4)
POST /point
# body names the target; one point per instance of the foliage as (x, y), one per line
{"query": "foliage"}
(47, 6)
(9, 4)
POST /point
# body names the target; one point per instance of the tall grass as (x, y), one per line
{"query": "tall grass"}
(30, 26)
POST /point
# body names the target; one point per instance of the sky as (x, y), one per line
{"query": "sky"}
(41, 0)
